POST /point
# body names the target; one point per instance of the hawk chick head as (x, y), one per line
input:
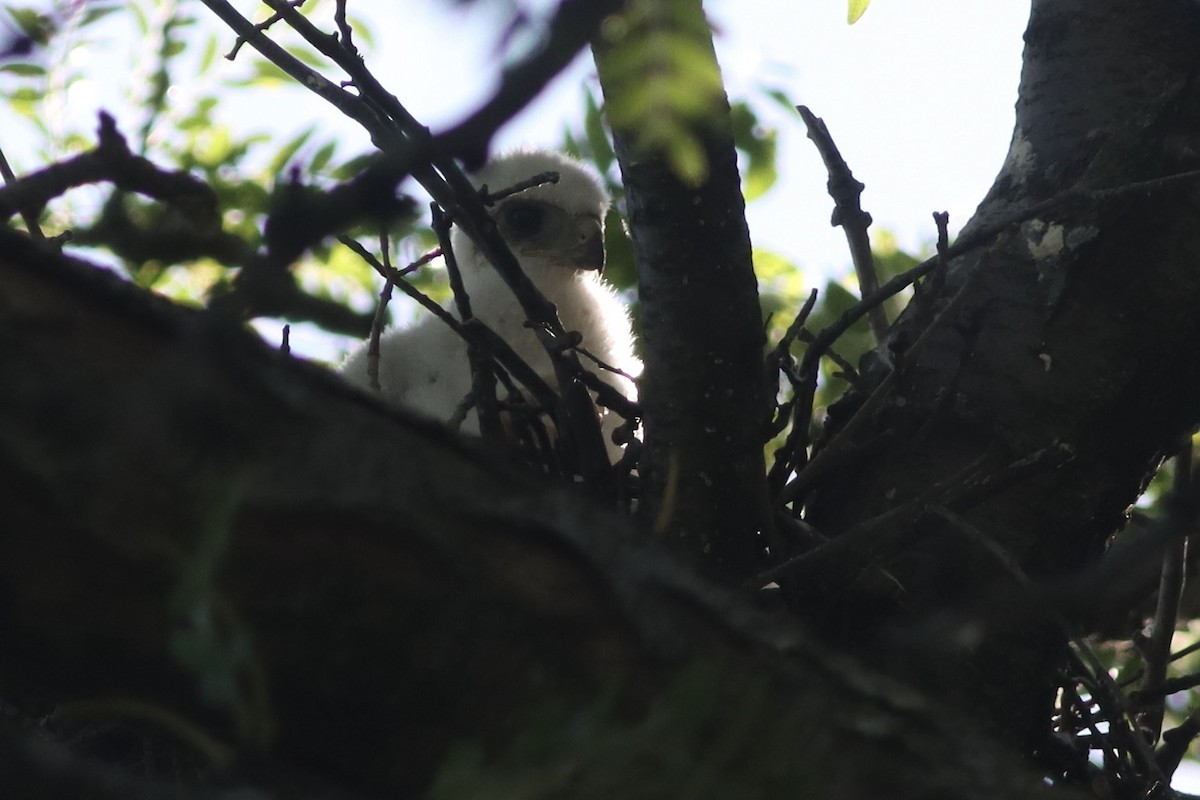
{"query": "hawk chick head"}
(554, 229)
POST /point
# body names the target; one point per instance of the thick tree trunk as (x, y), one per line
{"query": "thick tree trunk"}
(703, 393)
(1071, 335)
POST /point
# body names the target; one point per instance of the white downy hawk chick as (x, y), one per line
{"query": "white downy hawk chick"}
(556, 232)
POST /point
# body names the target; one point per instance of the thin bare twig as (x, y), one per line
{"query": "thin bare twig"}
(344, 30)
(394, 275)
(1170, 589)
(1167, 687)
(28, 217)
(395, 130)
(393, 127)
(854, 549)
(604, 365)
(794, 452)
(964, 244)
(849, 373)
(820, 465)
(1118, 716)
(441, 227)
(385, 297)
(1086, 718)
(926, 293)
(480, 360)
(263, 26)
(609, 397)
(1176, 743)
(349, 104)
(532, 181)
(941, 220)
(471, 330)
(794, 330)
(849, 216)
(792, 456)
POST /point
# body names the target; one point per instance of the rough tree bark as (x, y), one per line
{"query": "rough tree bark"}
(1071, 334)
(703, 392)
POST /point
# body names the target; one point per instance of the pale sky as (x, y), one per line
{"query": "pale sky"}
(918, 95)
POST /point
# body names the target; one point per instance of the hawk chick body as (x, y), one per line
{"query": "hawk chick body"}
(556, 233)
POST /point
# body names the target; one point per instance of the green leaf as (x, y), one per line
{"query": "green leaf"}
(857, 7)
(352, 166)
(619, 265)
(200, 118)
(98, 11)
(322, 157)
(284, 156)
(688, 160)
(570, 145)
(25, 94)
(139, 16)
(265, 74)
(24, 70)
(208, 55)
(306, 56)
(769, 265)
(597, 136)
(661, 81)
(362, 31)
(37, 26)
(758, 145)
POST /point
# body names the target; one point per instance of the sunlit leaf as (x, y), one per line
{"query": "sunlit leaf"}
(96, 11)
(597, 136)
(35, 25)
(758, 145)
(352, 166)
(570, 145)
(662, 83)
(619, 265)
(288, 151)
(209, 55)
(24, 70)
(362, 31)
(306, 56)
(322, 157)
(769, 265)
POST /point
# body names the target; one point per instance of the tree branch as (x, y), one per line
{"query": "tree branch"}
(849, 216)
(112, 161)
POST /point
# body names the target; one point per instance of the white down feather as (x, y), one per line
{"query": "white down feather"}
(424, 366)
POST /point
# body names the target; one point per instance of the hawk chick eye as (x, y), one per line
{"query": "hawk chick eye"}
(524, 219)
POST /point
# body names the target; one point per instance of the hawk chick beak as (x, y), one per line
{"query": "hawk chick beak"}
(588, 253)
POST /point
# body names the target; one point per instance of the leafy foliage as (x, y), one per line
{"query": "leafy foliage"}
(856, 9)
(598, 757)
(191, 132)
(666, 82)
